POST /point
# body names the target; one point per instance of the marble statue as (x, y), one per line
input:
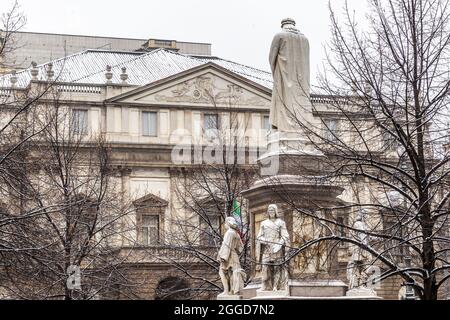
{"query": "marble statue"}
(289, 61)
(230, 271)
(271, 244)
(356, 274)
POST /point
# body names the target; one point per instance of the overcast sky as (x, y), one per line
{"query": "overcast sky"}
(239, 30)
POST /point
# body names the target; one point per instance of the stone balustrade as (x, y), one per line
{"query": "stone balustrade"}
(80, 88)
(165, 254)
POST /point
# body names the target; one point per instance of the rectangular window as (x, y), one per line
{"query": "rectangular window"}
(210, 230)
(389, 141)
(393, 227)
(211, 122)
(80, 121)
(149, 124)
(150, 230)
(266, 123)
(341, 230)
(331, 129)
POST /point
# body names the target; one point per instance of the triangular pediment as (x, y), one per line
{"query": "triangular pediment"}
(207, 85)
(151, 200)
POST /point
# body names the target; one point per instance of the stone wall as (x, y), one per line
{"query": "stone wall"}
(146, 279)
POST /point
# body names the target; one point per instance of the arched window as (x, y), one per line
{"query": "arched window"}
(172, 288)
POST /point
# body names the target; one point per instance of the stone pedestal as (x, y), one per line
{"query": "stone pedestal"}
(284, 150)
(304, 289)
(363, 294)
(224, 297)
(297, 186)
(271, 295)
(289, 143)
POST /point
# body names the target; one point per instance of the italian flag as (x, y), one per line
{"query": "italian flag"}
(238, 216)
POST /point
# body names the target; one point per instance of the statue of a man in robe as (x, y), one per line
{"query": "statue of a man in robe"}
(230, 271)
(271, 250)
(289, 61)
(356, 272)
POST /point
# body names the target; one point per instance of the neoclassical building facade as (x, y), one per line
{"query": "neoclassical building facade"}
(146, 104)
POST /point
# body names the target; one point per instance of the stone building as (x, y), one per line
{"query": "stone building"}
(145, 103)
(43, 47)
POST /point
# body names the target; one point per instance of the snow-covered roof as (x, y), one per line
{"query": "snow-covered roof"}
(143, 68)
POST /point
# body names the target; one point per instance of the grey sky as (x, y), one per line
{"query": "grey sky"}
(239, 30)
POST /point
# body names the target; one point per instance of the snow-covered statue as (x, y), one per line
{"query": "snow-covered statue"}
(356, 274)
(271, 248)
(230, 271)
(289, 61)
(394, 199)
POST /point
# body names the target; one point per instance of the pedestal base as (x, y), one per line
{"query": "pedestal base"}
(279, 142)
(363, 294)
(310, 290)
(298, 289)
(224, 297)
(272, 295)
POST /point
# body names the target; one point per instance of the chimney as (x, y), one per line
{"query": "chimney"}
(153, 44)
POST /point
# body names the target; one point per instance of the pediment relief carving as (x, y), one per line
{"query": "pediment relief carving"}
(207, 89)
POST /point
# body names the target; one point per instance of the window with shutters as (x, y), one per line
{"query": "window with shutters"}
(80, 121)
(211, 121)
(389, 141)
(394, 228)
(150, 219)
(266, 123)
(149, 124)
(341, 230)
(331, 129)
(150, 230)
(210, 230)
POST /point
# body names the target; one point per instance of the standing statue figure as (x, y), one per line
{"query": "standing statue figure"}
(230, 271)
(356, 274)
(271, 243)
(289, 61)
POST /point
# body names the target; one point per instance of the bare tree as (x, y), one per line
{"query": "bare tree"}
(11, 21)
(383, 126)
(208, 186)
(19, 126)
(17, 105)
(67, 215)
